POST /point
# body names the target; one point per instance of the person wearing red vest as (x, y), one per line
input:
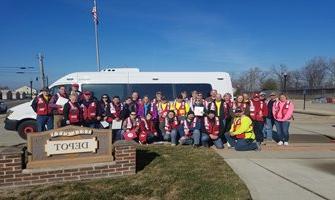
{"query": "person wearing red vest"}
(221, 110)
(190, 130)
(116, 108)
(72, 113)
(181, 107)
(131, 127)
(283, 112)
(170, 128)
(258, 113)
(163, 109)
(41, 107)
(148, 132)
(56, 108)
(211, 134)
(75, 89)
(90, 110)
(239, 103)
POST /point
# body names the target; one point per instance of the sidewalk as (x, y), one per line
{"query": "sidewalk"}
(303, 170)
(314, 108)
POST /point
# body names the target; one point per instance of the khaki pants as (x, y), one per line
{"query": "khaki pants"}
(58, 121)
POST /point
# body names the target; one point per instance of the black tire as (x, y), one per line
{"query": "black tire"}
(26, 127)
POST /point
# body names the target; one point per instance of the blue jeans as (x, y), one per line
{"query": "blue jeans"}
(258, 129)
(44, 120)
(91, 125)
(267, 130)
(171, 136)
(205, 139)
(240, 144)
(282, 130)
(195, 138)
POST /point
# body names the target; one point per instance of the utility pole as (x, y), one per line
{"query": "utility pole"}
(96, 22)
(40, 60)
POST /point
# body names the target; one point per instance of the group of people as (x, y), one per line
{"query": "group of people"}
(195, 120)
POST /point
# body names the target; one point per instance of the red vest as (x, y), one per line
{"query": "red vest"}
(73, 114)
(42, 106)
(187, 126)
(212, 128)
(171, 125)
(131, 126)
(89, 113)
(256, 112)
(284, 109)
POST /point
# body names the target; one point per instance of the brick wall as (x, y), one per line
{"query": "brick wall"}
(12, 174)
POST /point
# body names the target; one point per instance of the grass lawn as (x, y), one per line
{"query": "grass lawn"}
(163, 172)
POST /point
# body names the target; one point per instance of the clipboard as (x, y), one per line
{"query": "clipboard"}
(117, 124)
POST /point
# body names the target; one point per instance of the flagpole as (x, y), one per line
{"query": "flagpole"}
(97, 38)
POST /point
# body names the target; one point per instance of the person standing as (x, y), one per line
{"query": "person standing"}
(104, 110)
(241, 135)
(221, 110)
(90, 110)
(181, 107)
(125, 113)
(283, 112)
(41, 107)
(75, 89)
(56, 108)
(163, 110)
(145, 107)
(241, 104)
(258, 112)
(192, 100)
(190, 130)
(212, 131)
(116, 109)
(270, 120)
(135, 102)
(72, 112)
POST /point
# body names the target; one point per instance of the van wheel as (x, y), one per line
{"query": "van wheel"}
(26, 127)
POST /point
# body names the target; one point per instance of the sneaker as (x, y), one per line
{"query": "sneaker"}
(285, 143)
(280, 143)
(173, 145)
(196, 146)
(228, 145)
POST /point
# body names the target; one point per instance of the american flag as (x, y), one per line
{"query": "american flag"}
(94, 13)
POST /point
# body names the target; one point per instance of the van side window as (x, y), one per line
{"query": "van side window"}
(151, 89)
(203, 88)
(109, 89)
(54, 89)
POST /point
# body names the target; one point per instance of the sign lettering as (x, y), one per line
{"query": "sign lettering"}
(71, 146)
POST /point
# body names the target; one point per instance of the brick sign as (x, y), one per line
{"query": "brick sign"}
(69, 145)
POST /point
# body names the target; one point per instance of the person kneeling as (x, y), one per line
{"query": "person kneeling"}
(148, 132)
(190, 130)
(170, 128)
(212, 129)
(131, 127)
(241, 135)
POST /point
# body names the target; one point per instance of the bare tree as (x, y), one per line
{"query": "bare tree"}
(278, 73)
(295, 79)
(315, 72)
(331, 69)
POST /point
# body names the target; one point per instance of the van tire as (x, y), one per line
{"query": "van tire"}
(27, 127)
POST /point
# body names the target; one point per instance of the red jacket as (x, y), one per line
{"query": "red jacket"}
(258, 110)
(171, 123)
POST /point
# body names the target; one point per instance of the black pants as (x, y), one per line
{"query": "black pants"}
(258, 129)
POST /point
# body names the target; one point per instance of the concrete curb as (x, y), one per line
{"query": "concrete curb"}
(314, 113)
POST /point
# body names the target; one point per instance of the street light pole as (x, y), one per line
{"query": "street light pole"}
(285, 80)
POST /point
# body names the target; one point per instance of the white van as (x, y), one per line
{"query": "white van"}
(121, 82)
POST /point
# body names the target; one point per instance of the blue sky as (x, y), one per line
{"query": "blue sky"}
(153, 35)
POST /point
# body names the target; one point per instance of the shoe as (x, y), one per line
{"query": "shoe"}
(196, 146)
(285, 143)
(259, 148)
(228, 145)
(173, 145)
(280, 143)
